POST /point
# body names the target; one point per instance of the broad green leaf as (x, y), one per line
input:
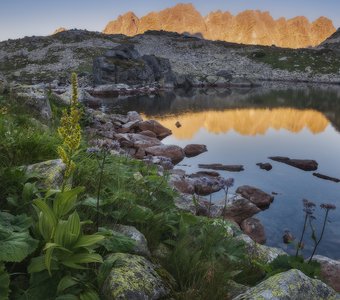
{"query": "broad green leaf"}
(66, 201)
(75, 261)
(89, 295)
(4, 282)
(48, 259)
(47, 220)
(65, 283)
(16, 246)
(18, 223)
(88, 240)
(67, 232)
(28, 192)
(67, 297)
(37, 264)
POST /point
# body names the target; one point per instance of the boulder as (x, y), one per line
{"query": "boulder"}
(155, 127)
(256, 196)
(254, 229)
(133, 277)
(330, 271)
(182, 184)
(261, 253)
(302, 164)
(141, 244)
(265, 166)
(220, 167)
(206, 185)
(293, 285)
(238, 209)
(137, 140)
(175, 153)
(51, 173)
(162, 161)
(194, 150)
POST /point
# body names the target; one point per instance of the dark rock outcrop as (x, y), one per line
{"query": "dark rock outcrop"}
(124, 64)
(303, 164)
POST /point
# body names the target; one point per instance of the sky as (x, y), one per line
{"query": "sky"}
(19, 18)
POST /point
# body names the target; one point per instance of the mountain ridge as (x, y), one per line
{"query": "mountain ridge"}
(252, 27)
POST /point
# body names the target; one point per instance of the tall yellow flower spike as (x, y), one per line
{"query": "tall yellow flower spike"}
(70, 131)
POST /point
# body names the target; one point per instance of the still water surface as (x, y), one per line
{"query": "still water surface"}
(246, 127)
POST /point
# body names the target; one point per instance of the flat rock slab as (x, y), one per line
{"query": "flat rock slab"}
(302, 164)
(220, 167)
(258, 197)
(325, 177)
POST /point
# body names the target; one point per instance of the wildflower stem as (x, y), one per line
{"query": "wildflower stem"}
(100, 186)
(303, 233)
(321, 236)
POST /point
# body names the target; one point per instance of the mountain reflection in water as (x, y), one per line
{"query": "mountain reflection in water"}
(245, 121)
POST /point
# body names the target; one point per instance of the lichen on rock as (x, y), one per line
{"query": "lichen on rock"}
(133, 277)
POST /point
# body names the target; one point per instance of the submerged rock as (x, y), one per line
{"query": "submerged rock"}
(256, 196)
(220, 167)
(254, 229)
(293, 285)
(325, 177)
(302, 164)
(133, 277)
(265, 166)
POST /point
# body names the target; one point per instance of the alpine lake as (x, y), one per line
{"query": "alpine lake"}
(246, 126)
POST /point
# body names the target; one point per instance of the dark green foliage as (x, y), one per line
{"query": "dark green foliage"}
(284, 263)
(15, 240)
(25, 141)
(203, 259)
(146, 204)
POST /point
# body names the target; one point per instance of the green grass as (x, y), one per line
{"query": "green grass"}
(318, 61)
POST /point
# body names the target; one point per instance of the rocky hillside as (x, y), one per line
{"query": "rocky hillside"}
(249, 27)
(192, 60)
(333, 42)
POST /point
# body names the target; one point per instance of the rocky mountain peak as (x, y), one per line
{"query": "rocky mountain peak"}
(247, 27)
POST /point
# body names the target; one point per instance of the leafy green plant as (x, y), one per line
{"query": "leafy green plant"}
(203, 259)
(284, 263)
